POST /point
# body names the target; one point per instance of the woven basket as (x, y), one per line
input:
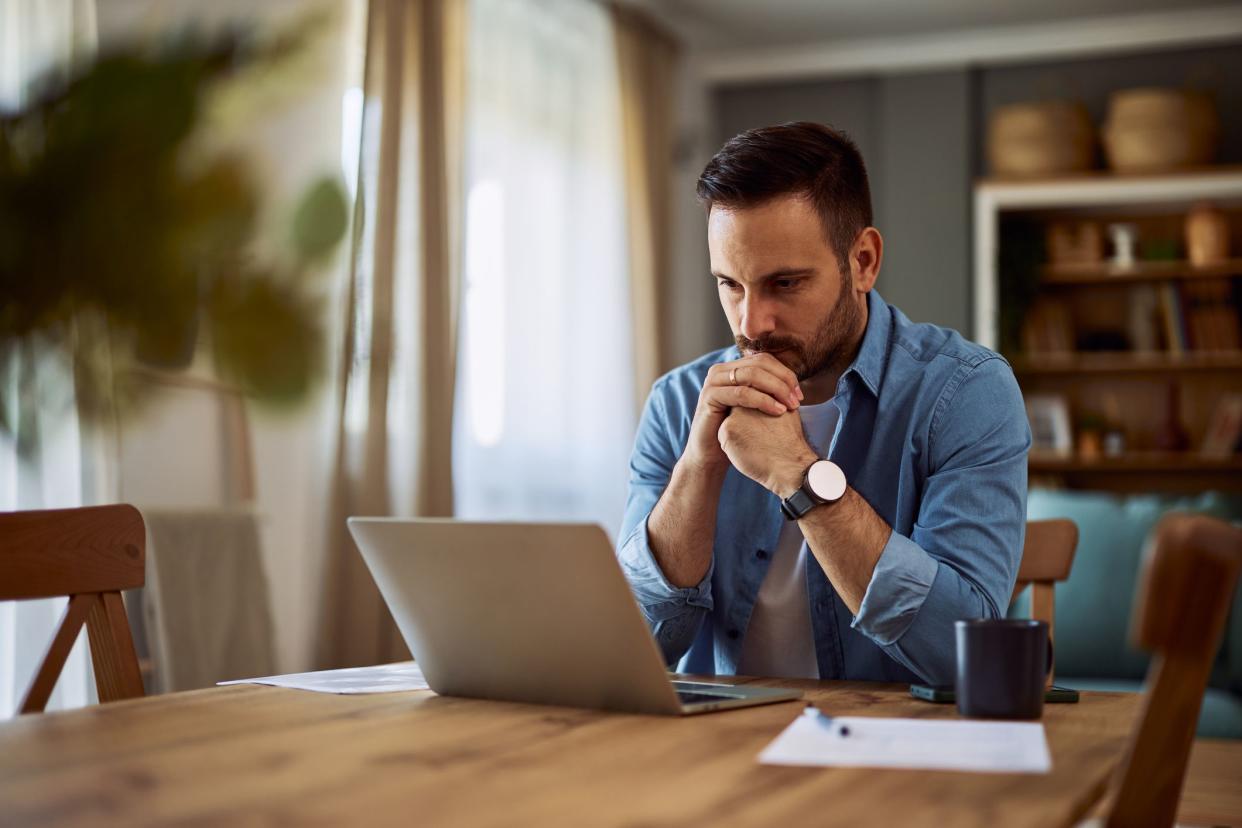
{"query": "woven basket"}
(1043, 138)
(1155, 129)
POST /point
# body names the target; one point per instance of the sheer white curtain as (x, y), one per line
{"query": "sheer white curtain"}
(545, 402)
(60, 463)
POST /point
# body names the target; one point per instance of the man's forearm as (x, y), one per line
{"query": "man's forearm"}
(682, 526)
(847, 538)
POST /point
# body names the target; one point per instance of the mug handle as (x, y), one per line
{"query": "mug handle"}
(1048, 670)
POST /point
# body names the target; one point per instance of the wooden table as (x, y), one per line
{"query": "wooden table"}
(261, 755)
(1212, 794)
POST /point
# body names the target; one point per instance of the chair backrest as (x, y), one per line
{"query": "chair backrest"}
(1185, 589)
(1047, 556)
(90, 555)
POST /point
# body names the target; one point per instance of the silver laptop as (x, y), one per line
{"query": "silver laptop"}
(529, 612)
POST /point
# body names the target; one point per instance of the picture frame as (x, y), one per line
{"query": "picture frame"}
(1051, 432)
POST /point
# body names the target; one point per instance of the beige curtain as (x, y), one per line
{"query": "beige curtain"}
(396, 386)
(647, 58)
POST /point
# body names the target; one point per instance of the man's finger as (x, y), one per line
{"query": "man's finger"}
(759, 378)
(784, 388)
(775, 366)
(743, 396)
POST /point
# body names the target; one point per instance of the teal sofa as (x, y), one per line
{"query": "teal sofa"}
(1093, 608)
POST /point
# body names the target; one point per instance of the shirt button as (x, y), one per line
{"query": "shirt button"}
(761, 554)
(732, 634)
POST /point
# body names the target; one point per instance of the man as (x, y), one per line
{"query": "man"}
(748, 552)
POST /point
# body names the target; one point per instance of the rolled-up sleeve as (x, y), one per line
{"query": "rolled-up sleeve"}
(961, 559)
(673, 613)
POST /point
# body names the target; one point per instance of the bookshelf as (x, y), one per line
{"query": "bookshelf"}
(1135, 368)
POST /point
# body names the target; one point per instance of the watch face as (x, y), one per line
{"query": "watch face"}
(826, 480)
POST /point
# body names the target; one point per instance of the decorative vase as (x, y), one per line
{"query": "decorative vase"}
(1207, 236)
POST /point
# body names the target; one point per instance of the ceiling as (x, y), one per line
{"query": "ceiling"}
(771, 23)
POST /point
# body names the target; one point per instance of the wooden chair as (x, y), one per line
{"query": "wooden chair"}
(1047, 557)
(90, 555)
(1184, 593)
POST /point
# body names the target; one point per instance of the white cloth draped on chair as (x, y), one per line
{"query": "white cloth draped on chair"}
(207, 608)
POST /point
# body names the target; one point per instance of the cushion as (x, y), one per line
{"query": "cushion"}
(1219, 718)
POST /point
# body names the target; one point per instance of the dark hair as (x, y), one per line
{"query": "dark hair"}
(800, 158)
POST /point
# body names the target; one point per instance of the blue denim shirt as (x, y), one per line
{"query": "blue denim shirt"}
(932, 433)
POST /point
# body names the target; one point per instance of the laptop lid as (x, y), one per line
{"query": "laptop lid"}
(535, 612)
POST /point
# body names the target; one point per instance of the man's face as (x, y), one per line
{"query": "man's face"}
(781, 285)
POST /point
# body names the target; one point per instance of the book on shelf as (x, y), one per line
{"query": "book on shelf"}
(1144, 319)
(1173, 319)
(1048, 329)
(1213, 316)
(1200, 317)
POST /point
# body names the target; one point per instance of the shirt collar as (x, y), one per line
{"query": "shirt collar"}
(873, 354)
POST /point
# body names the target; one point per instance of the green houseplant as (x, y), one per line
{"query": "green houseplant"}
(127, 241)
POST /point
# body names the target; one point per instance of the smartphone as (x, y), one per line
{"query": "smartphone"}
(940, 693)
(1060, 695)
(943, 694)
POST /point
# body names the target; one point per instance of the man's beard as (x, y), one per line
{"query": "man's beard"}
(830, 348)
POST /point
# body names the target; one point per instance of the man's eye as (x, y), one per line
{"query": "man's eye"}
(786, 284)
(725, 283)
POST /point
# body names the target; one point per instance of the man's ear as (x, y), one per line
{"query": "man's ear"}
(865, 258)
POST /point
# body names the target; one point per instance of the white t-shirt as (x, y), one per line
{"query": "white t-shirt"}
(779, 640)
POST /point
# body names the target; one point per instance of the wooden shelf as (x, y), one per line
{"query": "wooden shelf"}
(1073, 275)
(1127, 363)
(1137, 461)
(1103, 190)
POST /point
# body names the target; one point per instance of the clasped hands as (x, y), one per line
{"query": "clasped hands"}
(747, 416)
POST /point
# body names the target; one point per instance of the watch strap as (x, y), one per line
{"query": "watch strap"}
(798, 504)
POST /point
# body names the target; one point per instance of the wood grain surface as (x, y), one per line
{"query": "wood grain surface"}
(54, 552)
(260, 755)
(1213, 791)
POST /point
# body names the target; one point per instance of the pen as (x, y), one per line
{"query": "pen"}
(827, 721)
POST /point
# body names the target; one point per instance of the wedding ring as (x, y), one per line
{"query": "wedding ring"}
(733, 376)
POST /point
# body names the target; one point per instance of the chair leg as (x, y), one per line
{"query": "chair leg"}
(49, 671)
(117, 675)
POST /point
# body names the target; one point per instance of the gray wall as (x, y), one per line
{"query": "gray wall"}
(922, 136)
(923, 199)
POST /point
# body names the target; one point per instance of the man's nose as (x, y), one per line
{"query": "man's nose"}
(758, 317)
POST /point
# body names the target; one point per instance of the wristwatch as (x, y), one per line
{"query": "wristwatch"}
(824, 482)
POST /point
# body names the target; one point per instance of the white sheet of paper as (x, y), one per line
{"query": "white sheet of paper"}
(982, 747)
(383, 678)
